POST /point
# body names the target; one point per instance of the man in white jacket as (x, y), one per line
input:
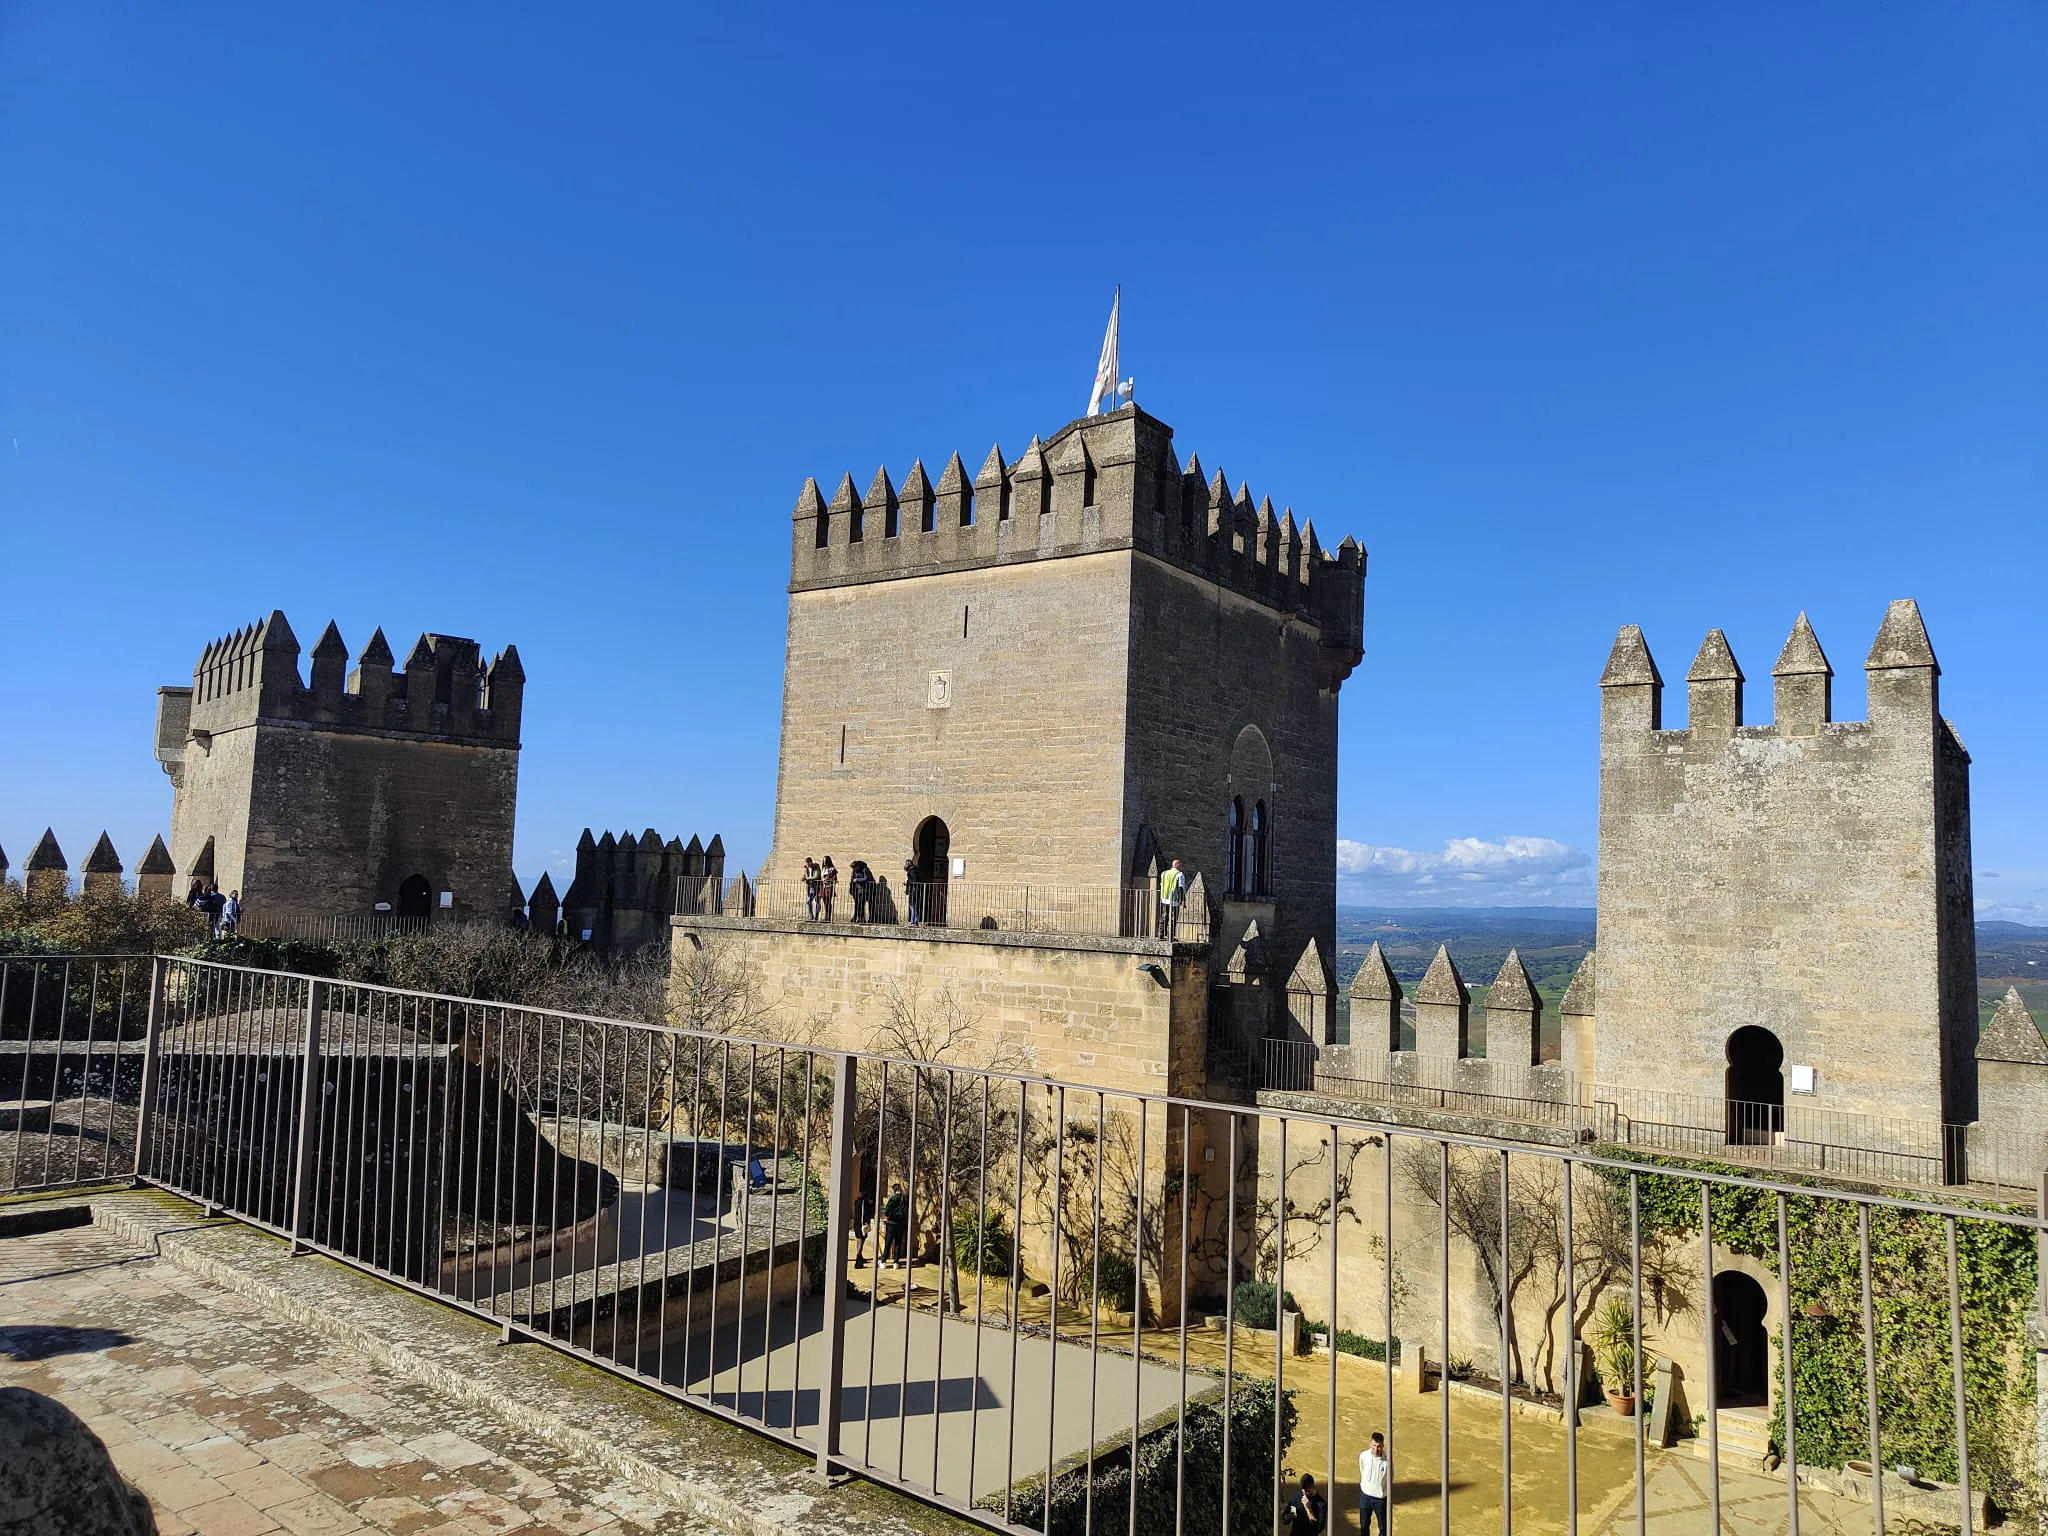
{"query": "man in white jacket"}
(1375, 1485)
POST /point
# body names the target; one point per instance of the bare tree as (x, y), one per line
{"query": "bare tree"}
(1473, 1201)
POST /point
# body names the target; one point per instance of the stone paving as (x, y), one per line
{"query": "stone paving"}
(236, 1423)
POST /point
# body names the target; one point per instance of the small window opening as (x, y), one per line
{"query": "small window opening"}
(824, 527)
(963, 621)
(853, 524)
(1087, 482)
(842, 746)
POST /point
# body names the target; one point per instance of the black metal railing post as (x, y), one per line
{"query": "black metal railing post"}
(839, 1195)
(305, 1153)
(152, 1038)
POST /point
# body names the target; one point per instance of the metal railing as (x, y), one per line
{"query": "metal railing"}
(368, 925)
(1025, 1300)
(1087, 911)
(1789, 1137)
(72, 1041)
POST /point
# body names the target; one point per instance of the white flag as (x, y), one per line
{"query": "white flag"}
(1103, 396)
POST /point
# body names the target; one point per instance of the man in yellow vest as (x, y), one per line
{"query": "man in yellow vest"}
(1173, 888)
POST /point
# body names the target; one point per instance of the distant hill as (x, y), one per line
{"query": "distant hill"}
(1553, 940)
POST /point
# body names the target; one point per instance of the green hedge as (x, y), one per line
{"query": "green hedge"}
(1252, 1305)
(1165, 1479)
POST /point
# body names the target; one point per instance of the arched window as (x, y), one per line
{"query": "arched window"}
(1255, 861)
(1234, 875)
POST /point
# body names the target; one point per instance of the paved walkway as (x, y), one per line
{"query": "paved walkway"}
(236, 1423)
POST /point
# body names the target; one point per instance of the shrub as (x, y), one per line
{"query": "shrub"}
(1252, 1305)
(1167, 1480)
(1364, 1345)
(982, 1243)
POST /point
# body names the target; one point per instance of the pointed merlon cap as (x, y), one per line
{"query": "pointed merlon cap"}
(696, 845)
(810, 501)
(2012, 1034)
(716, 847)
(880, 492)
(1629, 664)
(507, 668)
(915, 486)
(543, 889)
(1901, 640)
(1032, 465)
(953, 478)
(1512, 988)
(3, 861)
(276, 634)
(1578, 997)
(1310, 974)
(848, 494)
(586, 842)
(1375, 981)
(991, 474)
(47, 854)
(422, 657)
(330, 646)
(102, 860)
(1715, 662)
(1073, 455)
(1442, 983)
(1802, 656)
(158, 860)
(377, 653)
(650, 840)
(608, 841)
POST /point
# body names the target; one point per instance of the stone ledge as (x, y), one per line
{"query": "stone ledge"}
(903, 934)
(702, 1465)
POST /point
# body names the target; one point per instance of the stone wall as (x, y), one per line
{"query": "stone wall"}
(1113, 1013)
(1023, 759)
(1810, 876)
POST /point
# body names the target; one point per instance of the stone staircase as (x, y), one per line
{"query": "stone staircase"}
(1745, 1437)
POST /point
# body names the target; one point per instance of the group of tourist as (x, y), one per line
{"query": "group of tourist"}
(821, 892)
(223, 913)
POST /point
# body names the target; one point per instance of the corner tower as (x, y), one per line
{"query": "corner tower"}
(377, 791)
(1067, 670)
(1785, 909)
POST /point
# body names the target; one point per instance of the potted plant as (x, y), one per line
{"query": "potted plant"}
(1614, 1353)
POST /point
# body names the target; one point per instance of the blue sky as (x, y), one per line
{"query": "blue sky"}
(527, 324)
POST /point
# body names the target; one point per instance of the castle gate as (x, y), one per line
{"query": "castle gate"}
(1756, 1086)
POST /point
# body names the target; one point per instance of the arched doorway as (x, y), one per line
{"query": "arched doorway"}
(1742, 1349)
(932, 848)
(1755, 1086)
(415, 897)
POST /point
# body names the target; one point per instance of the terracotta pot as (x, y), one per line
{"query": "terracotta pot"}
(1622, 1403)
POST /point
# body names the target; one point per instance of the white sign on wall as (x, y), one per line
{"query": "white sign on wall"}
(1802, 1079)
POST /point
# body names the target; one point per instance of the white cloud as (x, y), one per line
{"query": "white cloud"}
(2012, 896)
(1468, 872)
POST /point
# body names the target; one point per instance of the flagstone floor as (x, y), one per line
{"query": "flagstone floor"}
(236, 1423)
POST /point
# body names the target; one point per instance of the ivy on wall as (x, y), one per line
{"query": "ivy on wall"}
(1995, 1268)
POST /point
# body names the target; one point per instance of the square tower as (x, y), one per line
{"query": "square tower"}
(1785, 909)
(376, 791)
(1068, 671)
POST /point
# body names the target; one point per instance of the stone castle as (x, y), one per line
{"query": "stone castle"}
(377, 790)
(1041, 684)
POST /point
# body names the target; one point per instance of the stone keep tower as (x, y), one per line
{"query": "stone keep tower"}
(1059, 670)
(365, 791)
(1785, 909)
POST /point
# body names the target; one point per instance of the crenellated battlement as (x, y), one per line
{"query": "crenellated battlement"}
(1901, 669)
(444, 690)
(1101, 483)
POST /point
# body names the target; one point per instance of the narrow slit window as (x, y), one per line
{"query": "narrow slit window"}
(967, 507)
(963, 621)
(842, 746)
